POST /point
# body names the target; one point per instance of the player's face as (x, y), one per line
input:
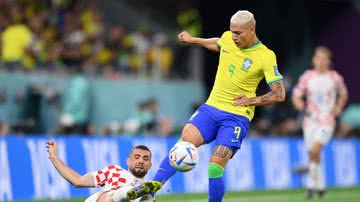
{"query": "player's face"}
(321, 60)
(139, 162)
(242, 35)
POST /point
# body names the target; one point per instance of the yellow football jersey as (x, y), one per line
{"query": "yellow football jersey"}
(239, 73)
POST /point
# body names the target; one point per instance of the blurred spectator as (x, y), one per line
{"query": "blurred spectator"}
(188, 57)
(189, 19)
(73, 38)
(350, 121)
(140, 121)
(114, 128)
(53, 36)
(31, 119)
(76, 101)
(92, 20)
(147, 120)
(159, 124)
(117, 43)
(166, 126)
(160, 56)
(15, 39)
(141, 43)
(153, 127)
(4, 125)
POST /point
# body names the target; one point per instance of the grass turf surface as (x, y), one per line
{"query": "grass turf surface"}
(333, 195)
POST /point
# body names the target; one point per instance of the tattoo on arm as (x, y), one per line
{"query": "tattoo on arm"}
(221, 151)
(277, 94)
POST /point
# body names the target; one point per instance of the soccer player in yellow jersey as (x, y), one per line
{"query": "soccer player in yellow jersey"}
(226, 115)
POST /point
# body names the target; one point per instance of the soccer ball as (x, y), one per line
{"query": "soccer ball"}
(183, 156)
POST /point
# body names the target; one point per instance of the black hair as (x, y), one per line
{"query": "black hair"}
(142, 147)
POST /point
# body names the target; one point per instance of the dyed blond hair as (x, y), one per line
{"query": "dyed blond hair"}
(243, 17)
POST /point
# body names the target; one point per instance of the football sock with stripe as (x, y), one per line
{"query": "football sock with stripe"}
(216, 182)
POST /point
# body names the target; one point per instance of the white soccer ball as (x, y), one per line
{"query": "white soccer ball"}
(183, 156)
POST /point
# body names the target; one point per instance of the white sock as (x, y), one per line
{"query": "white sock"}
(320, 182)
(313, 175)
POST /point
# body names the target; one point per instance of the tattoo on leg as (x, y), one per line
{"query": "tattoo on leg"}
(221, 151)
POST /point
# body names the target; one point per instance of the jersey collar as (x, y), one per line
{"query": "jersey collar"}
(253, 46)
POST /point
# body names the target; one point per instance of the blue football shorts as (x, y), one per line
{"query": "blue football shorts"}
(225, 128)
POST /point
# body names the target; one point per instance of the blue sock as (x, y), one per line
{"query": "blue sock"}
(216, 182)
(164, 172)
(216, 189)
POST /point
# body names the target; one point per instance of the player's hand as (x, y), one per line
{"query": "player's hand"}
(185, 37)
(337, 111)
(299, 104)
(241, 101)
(51, 148)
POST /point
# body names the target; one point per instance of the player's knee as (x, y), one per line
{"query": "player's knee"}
(314, 155)
(311, 155)
(119, 195)
(215, 171)
(106, 197)
(192, 134)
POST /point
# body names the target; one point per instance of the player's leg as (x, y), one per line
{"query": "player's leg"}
(315, 166)
(94, 197)
(200, 129)
(315, 137)
(119, 195)
(228, 142)
(190, 134)
(103, 197)
(325, 134)
(218, 161)
(309, 130)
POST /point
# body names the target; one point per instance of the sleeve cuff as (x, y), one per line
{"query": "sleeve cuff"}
(274, 80)
(94, 178)
(218, 44)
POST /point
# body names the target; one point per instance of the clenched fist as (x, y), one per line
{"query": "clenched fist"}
(185, 37)
(51, 147)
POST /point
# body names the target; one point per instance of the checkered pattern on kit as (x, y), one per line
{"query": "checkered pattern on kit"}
(112, 176)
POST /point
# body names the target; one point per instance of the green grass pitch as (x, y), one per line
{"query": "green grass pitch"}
(333, 195)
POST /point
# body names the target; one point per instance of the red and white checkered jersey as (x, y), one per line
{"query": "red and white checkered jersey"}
(114, 177)
(321, 90)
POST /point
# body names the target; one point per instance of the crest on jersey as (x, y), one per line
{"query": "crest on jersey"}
(246, 65)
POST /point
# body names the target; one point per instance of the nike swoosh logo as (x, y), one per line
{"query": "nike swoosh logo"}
(224, 51)
(232, 140)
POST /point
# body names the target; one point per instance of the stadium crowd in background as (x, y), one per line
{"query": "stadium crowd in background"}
(60, 37)
(52, 36)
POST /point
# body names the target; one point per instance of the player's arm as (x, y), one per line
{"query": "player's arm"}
(342, 98)
(297, 97)
(68, 174)
(298, 102)
(277, 94)
(209, 43)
